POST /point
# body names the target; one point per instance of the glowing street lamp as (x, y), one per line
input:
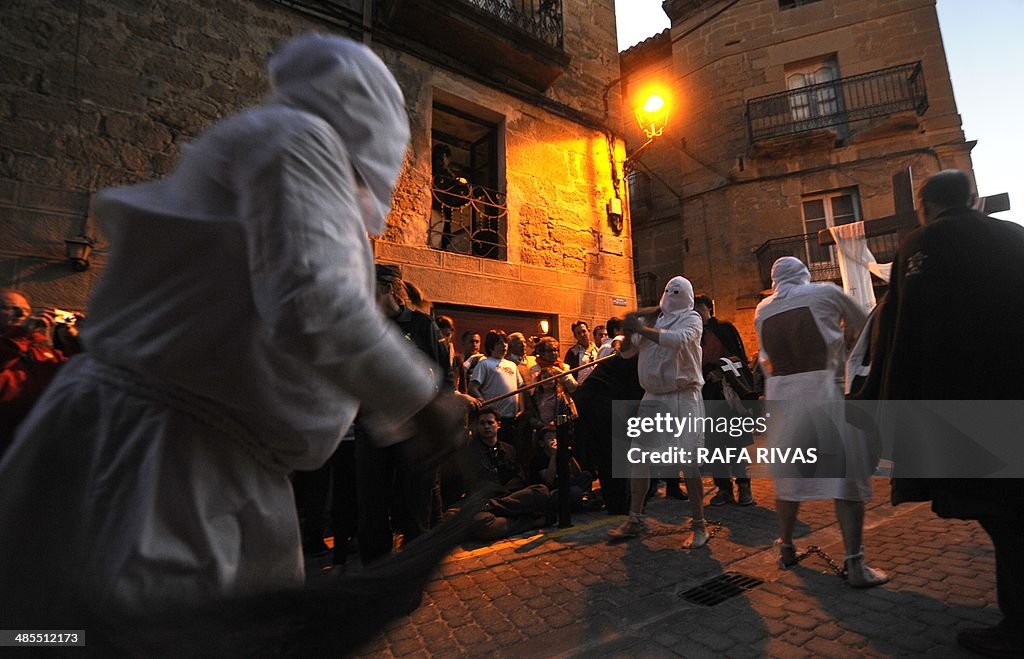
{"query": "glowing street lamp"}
(652, 116)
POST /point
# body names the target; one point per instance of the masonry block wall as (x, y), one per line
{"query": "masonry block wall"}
(106, 92)
(737, 193)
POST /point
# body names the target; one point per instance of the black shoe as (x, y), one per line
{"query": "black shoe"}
(998, 641)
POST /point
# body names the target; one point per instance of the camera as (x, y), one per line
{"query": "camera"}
(64, 317)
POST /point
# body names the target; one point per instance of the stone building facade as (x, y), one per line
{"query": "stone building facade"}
(787, 116)
(105, 92)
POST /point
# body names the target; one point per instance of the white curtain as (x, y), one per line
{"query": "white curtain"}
(855, 259)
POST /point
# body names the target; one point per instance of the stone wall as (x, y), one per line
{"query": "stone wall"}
(108, 96)
(735, 195)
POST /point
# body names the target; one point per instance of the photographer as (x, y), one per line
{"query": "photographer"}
(28, 360)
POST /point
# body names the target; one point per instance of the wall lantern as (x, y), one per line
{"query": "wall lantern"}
(544, 327)
(652, 116)
(78, 250)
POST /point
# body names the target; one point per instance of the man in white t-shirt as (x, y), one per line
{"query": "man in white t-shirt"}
(494, 376)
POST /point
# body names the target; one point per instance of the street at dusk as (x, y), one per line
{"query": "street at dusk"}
(570, 592)
(525, 328)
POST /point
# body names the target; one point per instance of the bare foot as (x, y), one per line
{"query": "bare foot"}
(859, 575)
(698, 535)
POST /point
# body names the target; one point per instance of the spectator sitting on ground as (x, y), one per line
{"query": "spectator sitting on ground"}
(487, 461)
(542, 468)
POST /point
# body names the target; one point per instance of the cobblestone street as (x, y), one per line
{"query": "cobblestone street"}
(569, 592)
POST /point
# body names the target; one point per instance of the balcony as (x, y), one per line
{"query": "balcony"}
(838, 103)
(820, 259)
(504, 40)
(468, 219)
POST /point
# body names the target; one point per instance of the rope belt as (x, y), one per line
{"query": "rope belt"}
(201, 410)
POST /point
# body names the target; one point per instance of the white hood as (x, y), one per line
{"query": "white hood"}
(350, 88)
(678, 296)
(787, 273)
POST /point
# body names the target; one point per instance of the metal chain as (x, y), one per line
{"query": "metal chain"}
(815, 549)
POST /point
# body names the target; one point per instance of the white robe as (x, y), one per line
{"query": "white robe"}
(828, 305)
(670, 370)
(231, 340)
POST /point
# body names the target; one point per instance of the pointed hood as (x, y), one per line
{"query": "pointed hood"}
(349, 87)
(678, 296)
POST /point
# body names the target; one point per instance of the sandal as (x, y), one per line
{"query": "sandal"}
(859, 575)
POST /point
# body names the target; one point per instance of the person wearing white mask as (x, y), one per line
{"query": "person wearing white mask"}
(231, 340)
(803, 330)
(670, 373)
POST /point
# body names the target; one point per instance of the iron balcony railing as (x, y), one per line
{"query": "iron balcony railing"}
(838, 102)
(468, 219)
(820, 259)
(541, 19)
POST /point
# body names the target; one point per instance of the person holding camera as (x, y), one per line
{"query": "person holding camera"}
(28, 360)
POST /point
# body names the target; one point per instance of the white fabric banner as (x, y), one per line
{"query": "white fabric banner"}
(855, 260)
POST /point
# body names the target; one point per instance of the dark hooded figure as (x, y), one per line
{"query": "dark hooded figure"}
(951, 328)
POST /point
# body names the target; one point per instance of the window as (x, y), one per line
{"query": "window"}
(469, 214)
(818, 106)
(789, 4)
(639, 194)
(820, 212)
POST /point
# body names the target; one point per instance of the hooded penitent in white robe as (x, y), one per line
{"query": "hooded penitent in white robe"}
(670, 371)
(800, 328)
(230, 341)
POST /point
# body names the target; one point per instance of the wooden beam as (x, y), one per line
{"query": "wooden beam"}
(881, 226)
(995, 203)
(908, 219)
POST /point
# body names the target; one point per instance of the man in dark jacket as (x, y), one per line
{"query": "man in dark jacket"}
(930, 346)
(721, 345)
(390, 494)
(490, 463)
(614, 379)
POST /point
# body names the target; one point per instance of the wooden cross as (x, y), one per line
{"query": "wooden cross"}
(904, 220)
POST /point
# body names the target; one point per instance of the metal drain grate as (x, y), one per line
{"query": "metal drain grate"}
(723, 587)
